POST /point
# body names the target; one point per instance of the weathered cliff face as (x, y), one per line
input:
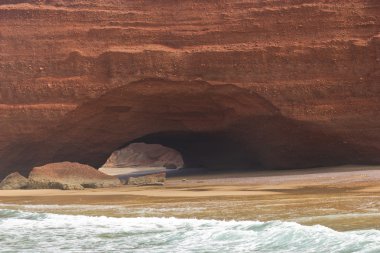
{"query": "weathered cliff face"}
(276, 84)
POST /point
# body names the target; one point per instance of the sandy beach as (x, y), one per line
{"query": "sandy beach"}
(326, 196)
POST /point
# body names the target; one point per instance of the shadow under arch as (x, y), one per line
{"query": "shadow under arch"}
(208, 150)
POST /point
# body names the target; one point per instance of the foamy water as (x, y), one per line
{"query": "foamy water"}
(23, 231)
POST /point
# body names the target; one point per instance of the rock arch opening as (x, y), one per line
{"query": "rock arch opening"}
(207, 150)
(144, 156)
(213, 126)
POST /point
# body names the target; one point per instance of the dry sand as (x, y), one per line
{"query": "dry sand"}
(328, 196)
(231, 184)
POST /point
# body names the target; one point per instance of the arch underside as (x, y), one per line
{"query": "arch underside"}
(213, 126)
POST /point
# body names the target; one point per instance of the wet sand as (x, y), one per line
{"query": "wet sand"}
(343, 198)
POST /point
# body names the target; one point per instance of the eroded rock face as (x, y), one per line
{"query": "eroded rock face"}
(69, 176)
(270, 84)
(14, 181)
(145, 155)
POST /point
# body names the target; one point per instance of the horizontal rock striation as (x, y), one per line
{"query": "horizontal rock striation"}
(271, 84)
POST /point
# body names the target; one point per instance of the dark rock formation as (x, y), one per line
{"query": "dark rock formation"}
(145, 155)
(69, 176)
(270, 84)
(14, 181)
(151, 179)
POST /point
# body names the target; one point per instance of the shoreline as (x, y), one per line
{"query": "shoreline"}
(247, 183)
(330, 197)
(342, 177)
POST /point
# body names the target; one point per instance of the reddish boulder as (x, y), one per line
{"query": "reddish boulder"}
(69, 176)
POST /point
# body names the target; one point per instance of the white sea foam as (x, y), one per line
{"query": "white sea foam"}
(43, 232)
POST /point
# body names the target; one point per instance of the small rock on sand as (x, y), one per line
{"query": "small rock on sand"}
(152, 179)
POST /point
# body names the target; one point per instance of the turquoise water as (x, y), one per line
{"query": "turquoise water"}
(22, 231)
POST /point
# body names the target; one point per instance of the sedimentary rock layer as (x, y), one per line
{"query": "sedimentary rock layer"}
(275, 84)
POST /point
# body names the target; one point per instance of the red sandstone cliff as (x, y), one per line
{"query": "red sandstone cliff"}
(268, 83)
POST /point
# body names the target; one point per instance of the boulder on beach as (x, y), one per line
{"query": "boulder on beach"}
(145, 155)
(14, 181)
(151, 179)
(69, 176)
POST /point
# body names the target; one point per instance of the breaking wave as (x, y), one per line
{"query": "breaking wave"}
(44, 232)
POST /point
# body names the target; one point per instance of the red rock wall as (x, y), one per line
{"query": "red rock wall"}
(315, 61)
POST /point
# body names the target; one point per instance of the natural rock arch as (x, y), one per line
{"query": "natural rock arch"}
(214, 126)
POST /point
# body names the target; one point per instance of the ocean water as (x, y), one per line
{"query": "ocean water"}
(24, 231)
